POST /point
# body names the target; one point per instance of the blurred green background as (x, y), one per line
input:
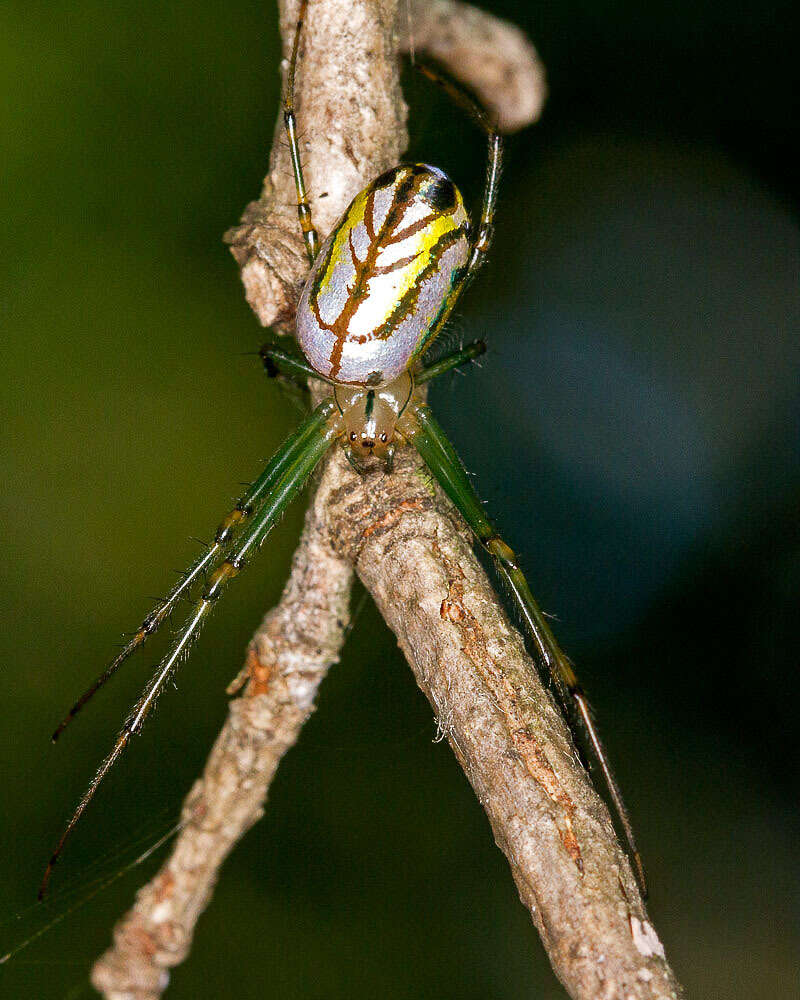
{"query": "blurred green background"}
(635, 429)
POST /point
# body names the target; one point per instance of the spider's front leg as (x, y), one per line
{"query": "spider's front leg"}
(269, 497)
(248, 504)
(420, 428)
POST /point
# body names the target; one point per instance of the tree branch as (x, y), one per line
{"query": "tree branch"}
(413, 554)
(288, 658)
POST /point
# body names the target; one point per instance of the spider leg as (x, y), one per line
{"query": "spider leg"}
(481, 235)
(482, 239)
(244, 509)
(303, 455)
(310, 235)
(281, 357)
(483, 232)
(439, 455)
(450, 361)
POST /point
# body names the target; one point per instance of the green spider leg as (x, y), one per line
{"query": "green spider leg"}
(280, 483)
(281, 357)
(310, 235)
(458, 358)
(246, 506)
(422, 430)
(484, 231)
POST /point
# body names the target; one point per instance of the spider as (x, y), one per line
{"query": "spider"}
(379, 290)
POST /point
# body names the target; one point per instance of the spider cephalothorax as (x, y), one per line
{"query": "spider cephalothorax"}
(378, 292)
(370, 417)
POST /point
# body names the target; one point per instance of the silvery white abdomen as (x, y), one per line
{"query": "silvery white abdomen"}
(382, 282)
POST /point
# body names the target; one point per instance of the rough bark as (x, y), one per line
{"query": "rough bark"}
(288, 658)
(410, 549)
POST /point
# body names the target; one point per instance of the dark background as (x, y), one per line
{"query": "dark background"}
(635, 429)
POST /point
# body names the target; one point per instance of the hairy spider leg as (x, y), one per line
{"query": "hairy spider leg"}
(281, 356)
(450, 361)
(303, 453)
(310, 235)
(484, 231)
(480, 235)
(420, 427)
(248, 504)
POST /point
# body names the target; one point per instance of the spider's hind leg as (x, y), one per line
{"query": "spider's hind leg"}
(439, 455)
(310, 235)
(482, 233)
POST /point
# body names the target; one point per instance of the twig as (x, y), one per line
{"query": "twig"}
(492, 57)
(411, 551)
(288, 658)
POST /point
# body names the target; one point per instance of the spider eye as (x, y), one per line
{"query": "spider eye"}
(352, 435)
(384, 438)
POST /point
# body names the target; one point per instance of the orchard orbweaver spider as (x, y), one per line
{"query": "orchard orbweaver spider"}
(379, 290)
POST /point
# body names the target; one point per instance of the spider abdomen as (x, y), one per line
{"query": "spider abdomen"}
(383, 280)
